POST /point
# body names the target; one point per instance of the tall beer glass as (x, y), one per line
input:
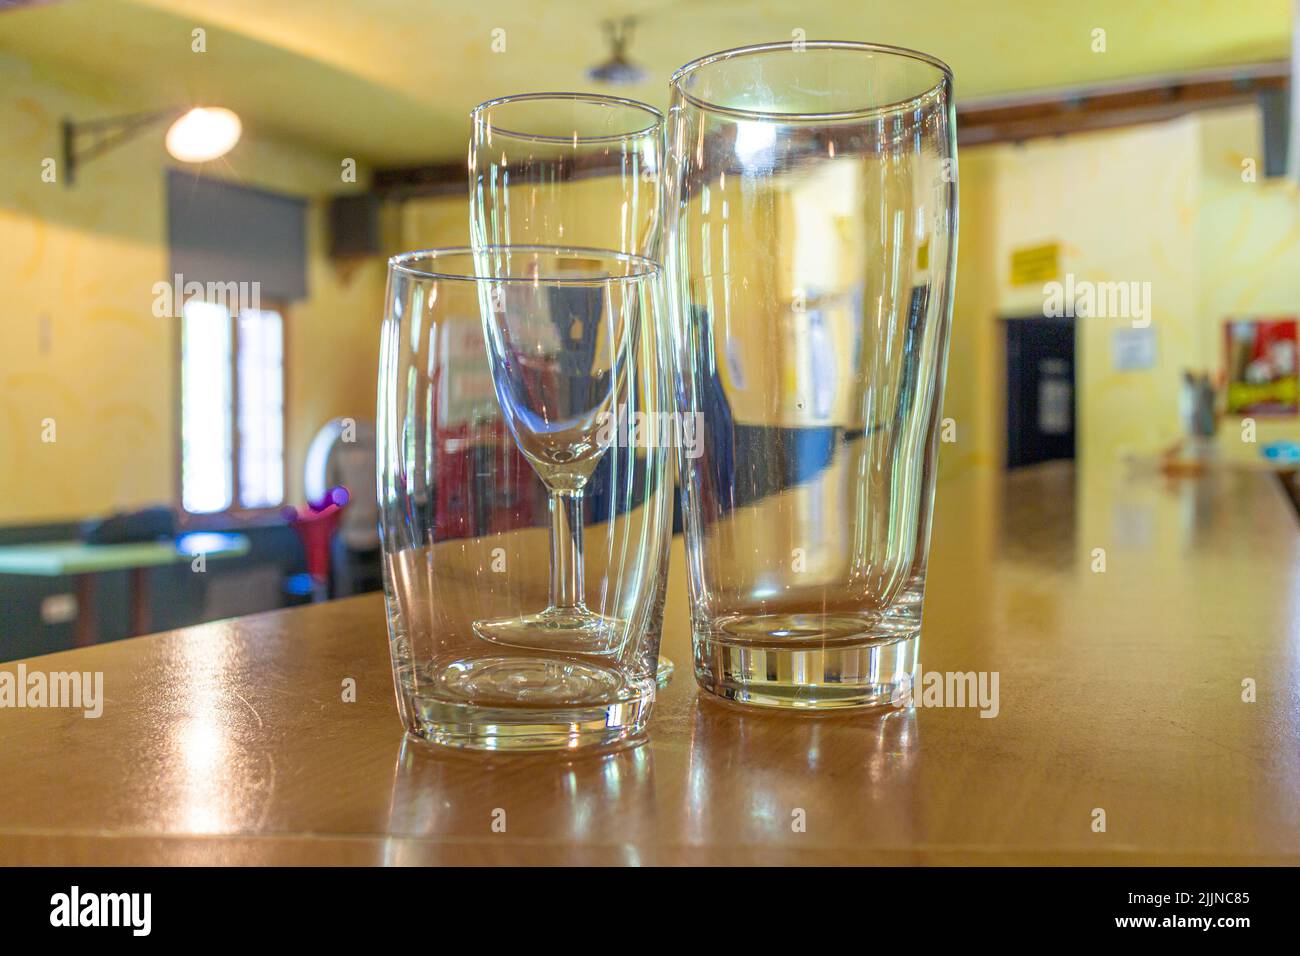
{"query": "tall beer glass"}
(810, 230)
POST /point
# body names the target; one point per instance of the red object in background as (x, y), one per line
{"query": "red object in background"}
(482, 484)
(464, 509)
(315, 524)
(1261, 367)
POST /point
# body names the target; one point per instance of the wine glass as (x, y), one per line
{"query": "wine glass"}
(574, 170)
(560, 326)
(567, 169)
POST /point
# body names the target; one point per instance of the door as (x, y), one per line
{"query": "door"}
(1040, 390)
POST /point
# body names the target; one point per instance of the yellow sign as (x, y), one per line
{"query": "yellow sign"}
(1033, 265)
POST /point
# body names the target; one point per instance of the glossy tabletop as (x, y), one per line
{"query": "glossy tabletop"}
(1119, 690)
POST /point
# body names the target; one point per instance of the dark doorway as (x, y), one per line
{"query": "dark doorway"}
(1040, 390)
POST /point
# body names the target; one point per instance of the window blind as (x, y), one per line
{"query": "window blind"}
(221, 232)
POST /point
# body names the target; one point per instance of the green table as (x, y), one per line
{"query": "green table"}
(82, 562)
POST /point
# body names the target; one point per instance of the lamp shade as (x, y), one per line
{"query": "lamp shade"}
(203, 133)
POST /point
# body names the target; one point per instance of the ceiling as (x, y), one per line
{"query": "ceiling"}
(391, 81)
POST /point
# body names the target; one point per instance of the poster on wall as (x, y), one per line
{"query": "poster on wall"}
(1261, 366)
(1133, 350)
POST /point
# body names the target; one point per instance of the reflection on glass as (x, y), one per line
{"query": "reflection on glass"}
(591, 805)
(748, 772)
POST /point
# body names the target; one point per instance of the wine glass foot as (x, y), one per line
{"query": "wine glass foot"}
(563, 630)
(664, 671)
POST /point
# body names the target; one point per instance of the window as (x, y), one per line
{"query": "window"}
(232, 408)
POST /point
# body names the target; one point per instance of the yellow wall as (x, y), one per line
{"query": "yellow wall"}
(971, 398)
(1162, 203)
(430, 223)
(84, 260)
(1122, 205)
(1248, 261)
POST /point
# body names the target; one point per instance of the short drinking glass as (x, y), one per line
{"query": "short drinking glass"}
(524, 534)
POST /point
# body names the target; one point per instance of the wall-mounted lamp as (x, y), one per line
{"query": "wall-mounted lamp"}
(196, 135)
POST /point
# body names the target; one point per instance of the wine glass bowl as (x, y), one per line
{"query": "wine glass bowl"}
(555, 326)
(566, 169)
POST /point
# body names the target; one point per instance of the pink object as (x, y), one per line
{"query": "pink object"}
(315, 524)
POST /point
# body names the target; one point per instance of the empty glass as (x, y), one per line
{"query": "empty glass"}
(565, 169)
(525, 532)
(810, 246)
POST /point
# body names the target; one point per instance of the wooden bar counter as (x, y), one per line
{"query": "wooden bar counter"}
(1120, 693)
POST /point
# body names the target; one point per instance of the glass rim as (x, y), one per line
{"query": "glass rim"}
(857, 46)
(656, 117)
(645, 268)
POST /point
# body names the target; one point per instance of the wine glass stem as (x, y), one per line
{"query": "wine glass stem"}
(566, 549)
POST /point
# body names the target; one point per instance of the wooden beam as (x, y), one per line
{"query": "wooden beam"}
(1004, 120)
(1081, 110)
(429, 179)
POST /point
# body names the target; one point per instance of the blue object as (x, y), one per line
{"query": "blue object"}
(1282, 452)
(299, 585)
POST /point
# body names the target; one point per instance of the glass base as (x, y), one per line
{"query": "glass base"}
(526, 703)
(809, 661)
(562, 630)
